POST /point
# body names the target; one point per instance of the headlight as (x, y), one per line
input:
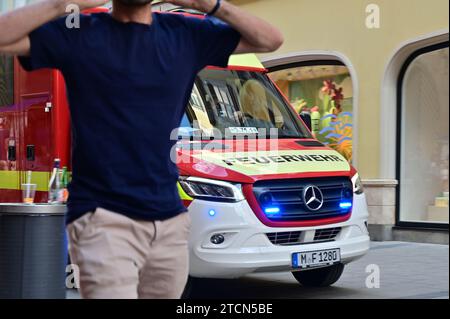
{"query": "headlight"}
(211, 190)
(357, 185)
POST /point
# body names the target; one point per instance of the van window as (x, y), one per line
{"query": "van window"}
(6, 81)
(229, 102)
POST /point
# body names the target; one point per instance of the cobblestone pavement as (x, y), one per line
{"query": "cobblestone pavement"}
(407, 270)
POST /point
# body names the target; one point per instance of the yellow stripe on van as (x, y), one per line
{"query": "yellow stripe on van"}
(183, 194)
(13, 180)
(246, 60)
(9, 180)
(278, 162)
(39, 178)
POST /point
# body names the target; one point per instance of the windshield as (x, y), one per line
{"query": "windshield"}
(226, 102)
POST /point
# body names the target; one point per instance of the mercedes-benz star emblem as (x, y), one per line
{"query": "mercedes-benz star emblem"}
(313, 197)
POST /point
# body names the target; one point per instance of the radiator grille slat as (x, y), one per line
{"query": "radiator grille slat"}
(295, 238)
(326, 234)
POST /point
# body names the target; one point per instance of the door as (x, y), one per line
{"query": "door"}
(35, 145)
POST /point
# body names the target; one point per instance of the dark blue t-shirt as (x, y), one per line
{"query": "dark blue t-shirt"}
(128, 85)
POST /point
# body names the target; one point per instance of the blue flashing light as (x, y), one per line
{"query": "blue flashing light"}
(272, 210)
(212, 213)
(345, 205)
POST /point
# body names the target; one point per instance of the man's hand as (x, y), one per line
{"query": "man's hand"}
(199, 5)
(17, 24)
(86, 4)
(258, 36)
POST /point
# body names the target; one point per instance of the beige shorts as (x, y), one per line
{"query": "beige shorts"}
(121, 258)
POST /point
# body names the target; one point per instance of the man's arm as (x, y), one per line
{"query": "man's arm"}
(17, 24)
(258, 36)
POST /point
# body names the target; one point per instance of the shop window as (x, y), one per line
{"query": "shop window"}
(324, 89)
(6, 81)
(423, 138)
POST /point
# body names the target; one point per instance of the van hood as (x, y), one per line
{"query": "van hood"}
(242, 161)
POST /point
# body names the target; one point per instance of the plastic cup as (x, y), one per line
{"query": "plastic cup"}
(28, 192)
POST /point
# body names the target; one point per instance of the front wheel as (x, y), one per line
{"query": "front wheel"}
(321, 277)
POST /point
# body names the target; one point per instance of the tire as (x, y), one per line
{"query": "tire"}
(321, 277)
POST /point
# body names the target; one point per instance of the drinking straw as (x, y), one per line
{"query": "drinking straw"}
(28, 184)
(28, 177)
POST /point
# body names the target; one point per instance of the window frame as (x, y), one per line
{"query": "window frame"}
(400, 82)
(305, 63)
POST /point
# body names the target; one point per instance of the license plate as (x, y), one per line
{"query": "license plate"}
(312, 259)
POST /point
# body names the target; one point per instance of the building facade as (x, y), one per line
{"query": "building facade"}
(374, 75)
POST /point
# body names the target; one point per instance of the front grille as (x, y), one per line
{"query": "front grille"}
(297, 238)
(326, 234)
(287, 195)
(285, 238)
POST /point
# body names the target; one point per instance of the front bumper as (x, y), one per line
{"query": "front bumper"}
(247, 248)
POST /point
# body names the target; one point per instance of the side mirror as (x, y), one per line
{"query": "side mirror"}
(306, 117)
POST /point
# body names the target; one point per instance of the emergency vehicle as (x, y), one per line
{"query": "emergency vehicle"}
(258, 203)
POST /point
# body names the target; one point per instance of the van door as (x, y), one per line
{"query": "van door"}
(9, 175)
(36, 142)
